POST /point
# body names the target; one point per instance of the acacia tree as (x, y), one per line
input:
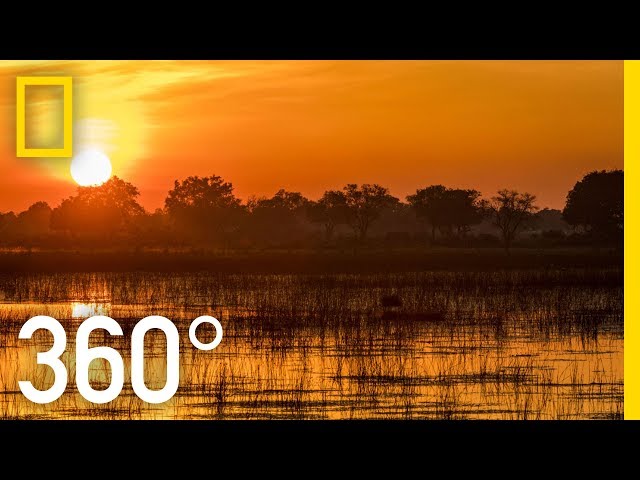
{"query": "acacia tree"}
(510, 211)
(364, 206)
(596, 204)
(330, 211)
(203, 208)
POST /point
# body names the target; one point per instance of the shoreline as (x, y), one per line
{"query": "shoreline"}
(308, 261)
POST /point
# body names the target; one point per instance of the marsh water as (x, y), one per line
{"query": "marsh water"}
(513, 344)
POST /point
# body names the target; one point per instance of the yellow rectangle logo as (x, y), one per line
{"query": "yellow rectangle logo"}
(21, 149)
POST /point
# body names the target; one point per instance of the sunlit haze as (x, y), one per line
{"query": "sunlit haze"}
(310, 126)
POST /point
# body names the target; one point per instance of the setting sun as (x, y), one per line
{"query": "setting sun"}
(90, 167)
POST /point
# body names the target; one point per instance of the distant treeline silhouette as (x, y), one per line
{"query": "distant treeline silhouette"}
(204, 212)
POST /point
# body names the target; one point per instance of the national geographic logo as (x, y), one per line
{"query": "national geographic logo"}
(21, 149)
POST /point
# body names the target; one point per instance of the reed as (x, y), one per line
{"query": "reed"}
(518, 343)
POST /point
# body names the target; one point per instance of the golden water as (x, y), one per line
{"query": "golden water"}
(367, 365)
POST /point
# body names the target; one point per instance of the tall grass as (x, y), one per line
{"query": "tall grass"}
(544, 343)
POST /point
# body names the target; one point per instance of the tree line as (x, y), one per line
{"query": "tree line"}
(203, 211)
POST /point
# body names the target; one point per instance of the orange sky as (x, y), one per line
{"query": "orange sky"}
(314, 125)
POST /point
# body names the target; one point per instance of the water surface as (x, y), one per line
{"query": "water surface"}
(505, 345)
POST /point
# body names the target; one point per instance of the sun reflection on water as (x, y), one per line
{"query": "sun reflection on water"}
(86, 310)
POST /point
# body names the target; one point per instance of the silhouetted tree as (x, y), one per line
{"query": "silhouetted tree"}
(596, 203)
(510, 211)
(330, 210)
(364, 206)
(279, 219)
(445, 208)
(8, 227)
(203, 208)
(109, 209)
(35, 221)
(428, 204)
(397, 225)
(464, 208)
(155, 229)
(282, 200)
(550, 220)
